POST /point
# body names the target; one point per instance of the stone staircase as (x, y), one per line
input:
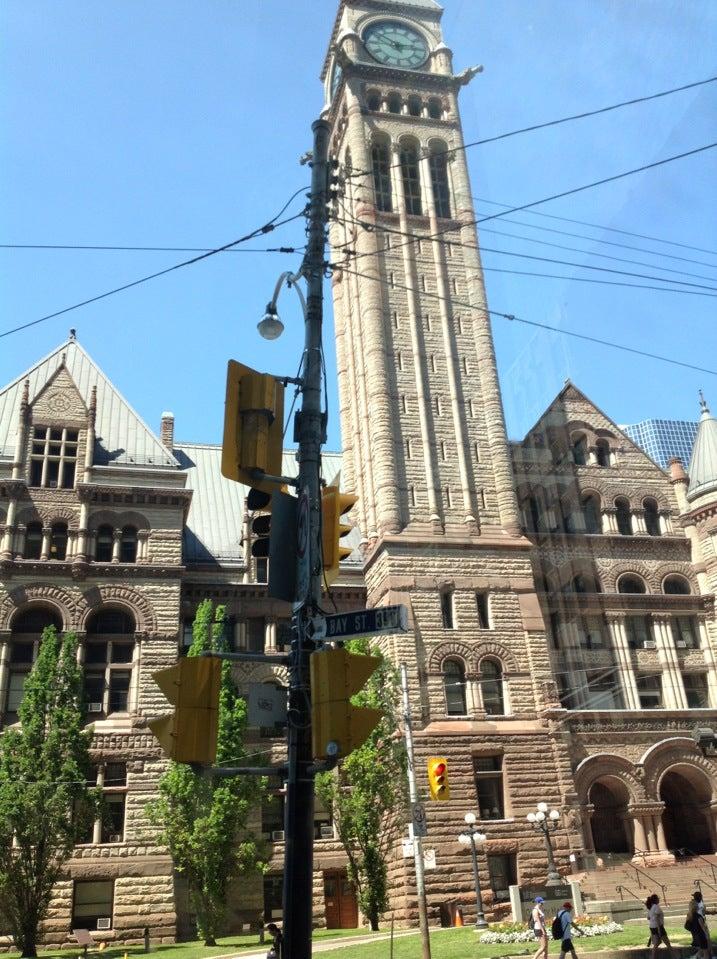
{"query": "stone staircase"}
(626, 885)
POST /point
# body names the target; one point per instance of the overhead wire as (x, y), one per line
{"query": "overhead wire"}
(535, 323)
(145, 249)
(268, 227)
(556, 122)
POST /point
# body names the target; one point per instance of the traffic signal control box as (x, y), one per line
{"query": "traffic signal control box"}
(438, 778)
(253, 426)
(336, 676)
(334, 505)
(192, 687)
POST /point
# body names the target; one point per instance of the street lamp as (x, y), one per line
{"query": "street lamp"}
(270, 326)
(546, 820)
(474, 838)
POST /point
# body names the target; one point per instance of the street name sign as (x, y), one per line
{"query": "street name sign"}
(360, 622)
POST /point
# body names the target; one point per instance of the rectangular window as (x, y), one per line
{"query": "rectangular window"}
(439, 406)
(272, 816)
(685, 632)
(428, 322)
(283, 634)
(113, 818)
(471, 409)
(639, 632)
(187, 633)
(273, 893)
(449, 498)
(447, 617)
(432, 361)
(323, 823)
(381, 158)
(395, 320)
(412, 495)
(399, 361)
(592, 633)
(53, 457)
(476, 451)
(488, 774)
(483, 604)
(262, 570)
(443, 451)
(464, 365)
(696, 690)
(423, 283)
(409, 449)
(411, 181)
(255, 634)
(439, 182)
(119, 691)
(92, 905)
(602, 690)
(503, 874)
(15, 690)
(649, 689)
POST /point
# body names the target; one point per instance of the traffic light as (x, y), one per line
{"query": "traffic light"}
(336, 676)
(274, 538)
(253, 426)
(192, 687)
(333, 506)
(438, 778)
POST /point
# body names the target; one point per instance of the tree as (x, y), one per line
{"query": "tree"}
(203, 820)
(368, 794)
(46, 804)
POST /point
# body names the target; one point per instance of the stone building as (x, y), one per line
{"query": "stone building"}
(560, 589)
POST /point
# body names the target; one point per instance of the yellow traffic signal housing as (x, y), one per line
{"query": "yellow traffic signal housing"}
(333, 506)
(253, 426)
(438, 778)
(192, 687)
(336, 676)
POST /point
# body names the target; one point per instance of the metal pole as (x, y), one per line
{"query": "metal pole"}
(417, 841)
(553, 874)
(480, 917)
(299, 815)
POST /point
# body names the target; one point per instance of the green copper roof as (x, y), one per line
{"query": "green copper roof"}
(703, 465)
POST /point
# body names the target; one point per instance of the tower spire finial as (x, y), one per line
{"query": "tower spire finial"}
(703, 403)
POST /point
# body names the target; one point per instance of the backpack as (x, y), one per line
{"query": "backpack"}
(557, 927)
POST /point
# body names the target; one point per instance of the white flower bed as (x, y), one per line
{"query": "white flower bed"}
(601, 929)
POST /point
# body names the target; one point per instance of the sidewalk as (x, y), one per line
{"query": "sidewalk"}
(324, 945)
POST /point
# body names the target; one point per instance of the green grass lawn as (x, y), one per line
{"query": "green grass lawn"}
(445, 944)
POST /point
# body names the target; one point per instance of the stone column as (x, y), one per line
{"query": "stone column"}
(133, 703)
(666, 526)
(116, 540)
(71, 543)
(710, 663)
(143, 546)
(650, 834)
(20, 541)
(474, 699)
(609, 520)
(46, 533)
(92, 544)
(97, 828)
(240, 635)
(81, 551)
(639, 837)
(661, 839)
(673, 690)
(4, 670)
(592, 456)
(6, 551)
(638, 522)
(618, 635)
(270, 635)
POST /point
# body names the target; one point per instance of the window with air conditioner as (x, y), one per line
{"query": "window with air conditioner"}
(488, 776)
(92, 904)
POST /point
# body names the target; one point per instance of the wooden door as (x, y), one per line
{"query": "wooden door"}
(340, 901)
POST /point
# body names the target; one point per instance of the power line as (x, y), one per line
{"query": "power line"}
(552, 123)
(269, 227)
(526, 206)
(611, 229)
(535, 323)
(592, 279)
(582, 266)
(144, 249)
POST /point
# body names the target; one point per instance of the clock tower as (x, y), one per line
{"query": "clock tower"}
(424, 438)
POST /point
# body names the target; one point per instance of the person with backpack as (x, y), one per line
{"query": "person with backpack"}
(562, 929)
(656, 922)
(537, 921)
(277, 948)
(697, 925)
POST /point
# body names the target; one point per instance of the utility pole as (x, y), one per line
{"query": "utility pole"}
(417, 841)
(310, 427)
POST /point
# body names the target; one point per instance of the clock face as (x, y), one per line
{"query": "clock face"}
(336, 79)
(395, 44)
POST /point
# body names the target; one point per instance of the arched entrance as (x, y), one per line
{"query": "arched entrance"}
(686, 793)
(609, 798)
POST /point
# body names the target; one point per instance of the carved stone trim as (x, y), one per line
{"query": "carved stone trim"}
(98, 596)
(61, 599)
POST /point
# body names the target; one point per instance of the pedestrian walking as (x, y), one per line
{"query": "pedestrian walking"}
(277, 947)
(537, 919)
(656, 922)
(697, 925)
(565, 917)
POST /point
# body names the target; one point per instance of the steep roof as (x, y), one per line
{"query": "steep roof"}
(703, 464)
(213, 531)
(123, 438)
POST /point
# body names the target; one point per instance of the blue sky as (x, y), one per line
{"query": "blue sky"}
(179, 123)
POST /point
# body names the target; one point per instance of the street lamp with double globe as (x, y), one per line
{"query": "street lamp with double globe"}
(473, 837)
(545, 821)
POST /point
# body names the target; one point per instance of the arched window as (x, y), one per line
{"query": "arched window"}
(26, 632)
(438, 164)
(602, 451)
(580, 451)
(435, 108)
(128, 545)
(411, 179)
(590, 506)
(629, 583)
(381, 160)
(373, 100)
(33, 541)
(58, 541)
(676, 586)
(109, 652)
(414, 106)
(652, 517)
(623, 517)
(394, 103)
(491, 681)
(103, 544)
(454, 685)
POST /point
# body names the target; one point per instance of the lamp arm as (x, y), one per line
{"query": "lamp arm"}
(291, 280)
